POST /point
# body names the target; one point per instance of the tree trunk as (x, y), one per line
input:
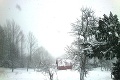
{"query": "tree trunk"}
(12, 66)
(81, 74)
(27, 65)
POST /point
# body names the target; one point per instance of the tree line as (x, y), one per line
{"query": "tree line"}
(20, 51)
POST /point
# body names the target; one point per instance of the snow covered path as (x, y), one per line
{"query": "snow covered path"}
(66, 75)
(22, 74)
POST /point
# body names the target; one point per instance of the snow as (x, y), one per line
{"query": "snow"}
(116, 34)
(64, 62)
(97, 74)
(66, 75)
(22, 74)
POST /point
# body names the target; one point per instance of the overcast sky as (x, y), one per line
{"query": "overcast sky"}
(50, 20)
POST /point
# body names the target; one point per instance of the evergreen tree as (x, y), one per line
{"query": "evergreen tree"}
(108, 34)
(116, 70)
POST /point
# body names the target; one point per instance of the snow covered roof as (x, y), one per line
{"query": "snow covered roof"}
(64, 62)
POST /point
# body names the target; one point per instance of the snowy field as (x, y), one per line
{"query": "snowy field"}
(22, 74)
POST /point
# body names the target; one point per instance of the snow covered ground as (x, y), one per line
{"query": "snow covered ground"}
(22, 74)
(97, 74)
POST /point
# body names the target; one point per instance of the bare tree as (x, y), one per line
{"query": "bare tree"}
(83, 30)
(22, 46)
(12, 31)
(2, 34)
(32, 47)
(43, 59)
(46, 63)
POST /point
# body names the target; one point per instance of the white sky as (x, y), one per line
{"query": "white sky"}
(50, 20)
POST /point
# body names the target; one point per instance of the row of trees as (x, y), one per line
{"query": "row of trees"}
(16, 50)
(96, 38)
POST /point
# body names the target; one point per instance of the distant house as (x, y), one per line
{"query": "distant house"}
(63, 64)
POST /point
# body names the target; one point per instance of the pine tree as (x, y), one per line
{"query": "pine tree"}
(108, 34)
(116, 70)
